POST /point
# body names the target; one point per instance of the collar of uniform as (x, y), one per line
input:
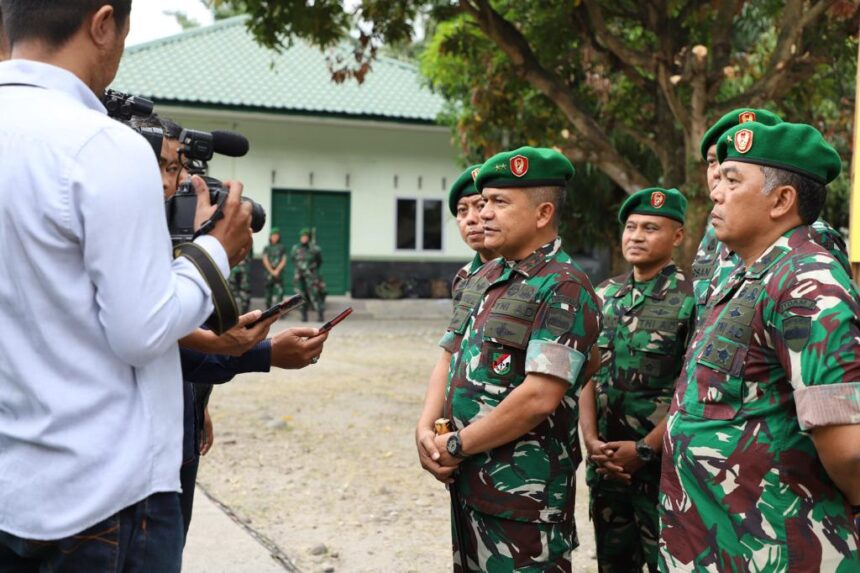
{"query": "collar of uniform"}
(655, 287)
(476, 264)
(538, 258)
(49, 77)
(774, 253)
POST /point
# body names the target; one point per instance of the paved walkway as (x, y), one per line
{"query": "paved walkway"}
(217, 544)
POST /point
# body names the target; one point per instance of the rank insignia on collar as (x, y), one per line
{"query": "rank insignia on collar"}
(746, 117)
(658, 199)
(501, 363)
(519, 165)
(475, 174)
(743, 140)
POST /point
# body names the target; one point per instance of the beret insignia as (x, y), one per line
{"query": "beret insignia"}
(743, 140)
(746, 117)
(519, 165)
(658, 198)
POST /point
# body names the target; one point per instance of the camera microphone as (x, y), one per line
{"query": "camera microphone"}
(229, 143)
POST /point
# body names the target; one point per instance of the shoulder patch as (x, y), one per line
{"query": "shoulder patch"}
(796, 331)
(804, 303)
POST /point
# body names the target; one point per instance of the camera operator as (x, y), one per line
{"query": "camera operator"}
(210, 359)
(91, 304)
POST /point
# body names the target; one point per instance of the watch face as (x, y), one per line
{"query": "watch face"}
(453, 445)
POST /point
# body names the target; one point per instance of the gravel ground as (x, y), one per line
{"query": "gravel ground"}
(322, 461)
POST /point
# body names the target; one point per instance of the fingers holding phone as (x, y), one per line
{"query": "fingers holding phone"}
(297, 347)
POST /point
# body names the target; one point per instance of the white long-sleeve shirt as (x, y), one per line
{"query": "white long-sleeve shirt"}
(91, 307)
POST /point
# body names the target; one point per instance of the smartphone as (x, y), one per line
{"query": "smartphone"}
(281, 308)
(331, 324)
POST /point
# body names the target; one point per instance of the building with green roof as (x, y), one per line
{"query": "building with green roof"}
(365, 165)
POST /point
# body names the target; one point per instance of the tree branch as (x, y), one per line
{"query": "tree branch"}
(612, 43)
(600, 150)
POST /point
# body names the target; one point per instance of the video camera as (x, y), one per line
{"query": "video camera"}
(195, 150)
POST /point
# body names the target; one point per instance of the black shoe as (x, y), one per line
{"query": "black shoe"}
(304, 316)
(320, 316)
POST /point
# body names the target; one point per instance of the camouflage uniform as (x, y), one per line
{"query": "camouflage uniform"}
(240, 283)
(714, 262)
(777, 355)
(306, 279)
(274, 285)
(464, 273)
(645, 328)
(538, 315)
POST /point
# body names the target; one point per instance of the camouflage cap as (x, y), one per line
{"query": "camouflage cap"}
(733, 118)
(796, 147)
(668, 203)
(305, 231)
(463, 186)
(525, 167)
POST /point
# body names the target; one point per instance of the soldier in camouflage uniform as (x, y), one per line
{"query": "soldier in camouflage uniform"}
(274, 261)
(519, 341)
(465, 204)
(760, 452)
(714, 263)
(646, 319)
(240, 282)
(307, 258)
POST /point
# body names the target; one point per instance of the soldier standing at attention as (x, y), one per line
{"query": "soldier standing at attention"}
(240, 282)
(307, 259)
(760, 455)
(465, 203)
(646, 320)
(519, 339)
(714, 263)
(274, 261)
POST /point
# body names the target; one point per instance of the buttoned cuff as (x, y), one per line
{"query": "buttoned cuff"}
(216, 251)
(447, 342)
(828, 405)
(554, 359)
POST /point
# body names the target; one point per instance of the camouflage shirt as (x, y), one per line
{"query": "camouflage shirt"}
(306, 260)
(714, 262)
(464, 273)
(642, 343)
(538, 315)
(778, 354)
(275, 253)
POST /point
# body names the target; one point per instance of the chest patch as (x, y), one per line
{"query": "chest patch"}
(501, 363)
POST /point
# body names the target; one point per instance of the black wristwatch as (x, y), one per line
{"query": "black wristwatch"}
(645, 452)
(455, 446)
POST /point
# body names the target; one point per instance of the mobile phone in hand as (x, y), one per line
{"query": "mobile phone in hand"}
(280, 309)
(331, 324)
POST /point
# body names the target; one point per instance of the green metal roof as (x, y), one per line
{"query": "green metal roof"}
(222, 67)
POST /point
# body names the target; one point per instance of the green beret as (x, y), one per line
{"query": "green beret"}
(525, 167)
(733, 118)
(796, 147)
(668, 203)
(275, 230)
(305, 231)
(463, 187)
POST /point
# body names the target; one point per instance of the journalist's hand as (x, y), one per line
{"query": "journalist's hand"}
(239, 340)
(297, 347)
(233, 230)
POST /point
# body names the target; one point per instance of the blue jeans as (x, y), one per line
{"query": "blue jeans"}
(143, 538)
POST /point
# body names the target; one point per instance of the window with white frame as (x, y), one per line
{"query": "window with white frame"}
(419, 224)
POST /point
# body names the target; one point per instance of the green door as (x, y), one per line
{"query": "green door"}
(327, 212)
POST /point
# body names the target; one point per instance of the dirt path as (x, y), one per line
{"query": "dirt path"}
(322, 460)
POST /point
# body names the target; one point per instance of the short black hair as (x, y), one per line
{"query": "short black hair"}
(555, 195)
(54, 21)
(811, 194)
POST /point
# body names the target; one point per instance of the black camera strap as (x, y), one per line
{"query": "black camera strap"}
(226, 313)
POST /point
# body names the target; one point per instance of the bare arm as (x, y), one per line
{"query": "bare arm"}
(235, 342)
(839, 450)
(434, 400)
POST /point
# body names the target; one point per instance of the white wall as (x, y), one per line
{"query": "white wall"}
(285, 150)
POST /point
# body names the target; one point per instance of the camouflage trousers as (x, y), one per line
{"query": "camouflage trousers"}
(312, 294)
(626, 528)
(497, 545)
(240, 284)
(274, 290)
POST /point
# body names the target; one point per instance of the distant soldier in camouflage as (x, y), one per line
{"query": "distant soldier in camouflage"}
(465, 204)
(274, 261)
(714, 263)
(647, 316)
(307, 258)
(519, 341)
(240, 282)
(760, 459)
